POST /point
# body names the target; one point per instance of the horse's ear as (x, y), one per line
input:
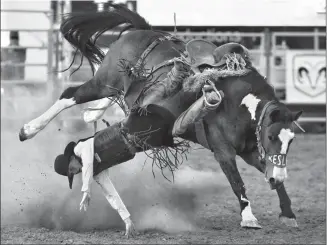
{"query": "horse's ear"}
(296, 115)
(275, 115)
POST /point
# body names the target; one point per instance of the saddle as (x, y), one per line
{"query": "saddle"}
(200, 52)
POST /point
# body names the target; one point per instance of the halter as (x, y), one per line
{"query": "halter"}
(258, 129)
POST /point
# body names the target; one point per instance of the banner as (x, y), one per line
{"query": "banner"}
(306, 77)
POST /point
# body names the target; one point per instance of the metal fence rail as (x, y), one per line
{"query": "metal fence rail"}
(15, 82)
(49, 46)
(26, 11)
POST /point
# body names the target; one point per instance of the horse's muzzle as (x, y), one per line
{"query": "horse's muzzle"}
(272, 183)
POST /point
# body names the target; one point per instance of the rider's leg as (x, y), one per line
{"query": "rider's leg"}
(209, 101)
(114, 199)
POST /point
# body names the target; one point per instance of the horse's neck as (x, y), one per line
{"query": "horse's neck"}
(250, 93)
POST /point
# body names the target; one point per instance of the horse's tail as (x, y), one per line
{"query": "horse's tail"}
(82, 30)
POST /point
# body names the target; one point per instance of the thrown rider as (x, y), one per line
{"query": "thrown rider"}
(87, 157)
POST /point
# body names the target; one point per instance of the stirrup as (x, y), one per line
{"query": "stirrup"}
(220, 96)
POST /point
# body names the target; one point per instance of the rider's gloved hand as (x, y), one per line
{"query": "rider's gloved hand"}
(130, 229)
(85, 201)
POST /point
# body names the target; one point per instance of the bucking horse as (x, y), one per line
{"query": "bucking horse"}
(249, 122)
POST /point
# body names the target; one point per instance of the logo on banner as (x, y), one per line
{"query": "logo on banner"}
(309, 74)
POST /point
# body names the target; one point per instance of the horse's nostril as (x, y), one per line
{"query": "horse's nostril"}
(272, 180)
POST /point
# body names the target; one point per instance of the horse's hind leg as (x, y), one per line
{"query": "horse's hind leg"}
(30, 129)
(89, 91)
(93, 113)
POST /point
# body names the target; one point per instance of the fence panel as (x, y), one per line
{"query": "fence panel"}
(27, 73)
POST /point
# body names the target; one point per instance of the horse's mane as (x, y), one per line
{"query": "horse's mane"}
(260, 85)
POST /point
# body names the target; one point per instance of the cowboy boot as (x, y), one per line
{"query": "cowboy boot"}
(209, 101)
(169, 86)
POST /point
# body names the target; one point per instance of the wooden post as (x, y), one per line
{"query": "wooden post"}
(51, 77)
(316, 39)
(100, 4)
(267, 51)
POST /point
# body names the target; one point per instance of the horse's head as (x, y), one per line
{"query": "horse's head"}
(275, 135)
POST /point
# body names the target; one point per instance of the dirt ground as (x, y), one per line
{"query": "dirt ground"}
(199, 207)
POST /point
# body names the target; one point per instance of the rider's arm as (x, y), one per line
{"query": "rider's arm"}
(85, 150)
(110, 192)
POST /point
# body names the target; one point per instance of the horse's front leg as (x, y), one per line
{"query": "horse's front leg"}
(96, 111)
(227, 162)
(287, 216)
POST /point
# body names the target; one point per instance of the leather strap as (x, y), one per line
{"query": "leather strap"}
(148, 50)
(200, 133)
(261, 149)
(133, 92)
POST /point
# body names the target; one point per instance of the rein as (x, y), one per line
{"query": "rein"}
(261, 149)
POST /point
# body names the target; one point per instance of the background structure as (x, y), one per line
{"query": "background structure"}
(283, 35)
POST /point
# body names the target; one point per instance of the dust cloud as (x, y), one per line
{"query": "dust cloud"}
(33, 195)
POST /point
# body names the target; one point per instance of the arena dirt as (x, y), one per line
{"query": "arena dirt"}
(37, 205)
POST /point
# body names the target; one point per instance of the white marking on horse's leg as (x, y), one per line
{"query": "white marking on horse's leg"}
(248, 219)
(247, 214)
(94, 113)
(30, 129)
(251, 102)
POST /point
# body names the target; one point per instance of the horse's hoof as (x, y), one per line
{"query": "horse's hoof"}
(291, 222)
(250, 224)
(22, 134)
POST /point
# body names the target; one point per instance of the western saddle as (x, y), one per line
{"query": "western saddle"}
(200, 52)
